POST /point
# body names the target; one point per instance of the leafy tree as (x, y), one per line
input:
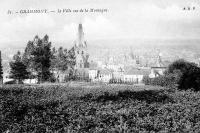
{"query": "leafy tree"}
(63, 60)
(27, 59)
(72, 63)
(182, 74)
(188, 74)
(18, 69)
(60, 61)
(72, 58)
(42, 58)
(1, 69)
(146, 80)
(53, 59)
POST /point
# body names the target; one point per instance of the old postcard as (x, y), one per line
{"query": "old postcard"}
(99, 66)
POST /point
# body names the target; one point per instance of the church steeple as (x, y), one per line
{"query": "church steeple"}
(80, 40)
(81, 49)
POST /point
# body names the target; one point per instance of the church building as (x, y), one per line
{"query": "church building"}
(81, 50)
(82, 55)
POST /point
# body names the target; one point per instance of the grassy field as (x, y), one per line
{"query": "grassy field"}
(89, 107)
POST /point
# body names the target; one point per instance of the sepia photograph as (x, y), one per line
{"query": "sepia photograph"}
(99, 66)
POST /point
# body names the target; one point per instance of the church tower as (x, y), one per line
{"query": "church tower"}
(81, 49)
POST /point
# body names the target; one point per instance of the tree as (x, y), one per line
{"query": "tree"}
(1, 70)
(59, 61)
(146, 80)
(18, 69)
(42, 58)
(27, 59)
(188, 74)
(53, 59)
(62, 61)
(72, 63)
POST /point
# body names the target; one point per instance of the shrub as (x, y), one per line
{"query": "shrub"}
(181, 74)
(146, 80)
(188, 74)
(43, 108)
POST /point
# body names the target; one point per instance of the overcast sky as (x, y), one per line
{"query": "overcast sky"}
(125, 19)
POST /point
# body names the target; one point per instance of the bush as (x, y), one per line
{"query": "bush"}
(115, 81)
(181, 74)
(44, 109)
(188, 74)
(146, 80)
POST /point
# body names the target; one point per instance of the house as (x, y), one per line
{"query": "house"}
(118, 75)
(105, 75)
(158, 68)
(135, 75)
(157, 71)
(101, 75)
(93, 74)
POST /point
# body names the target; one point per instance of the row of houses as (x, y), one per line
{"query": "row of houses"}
(125, 74)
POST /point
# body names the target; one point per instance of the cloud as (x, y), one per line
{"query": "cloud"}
(151, 21)
(94, 28)
(67, 32)
(127, 19)
(100, 27)
(22, 27)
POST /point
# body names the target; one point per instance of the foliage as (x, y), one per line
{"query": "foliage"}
(72, 58)
(146, 80)
(42, 58)
(72, 63)
(27, 59)
(18, 69)
(162, 80)
(168, 80)
(185, 75)
(1, 67)
(63, 61)
(189, 74)
(45, 63)
(53, 108)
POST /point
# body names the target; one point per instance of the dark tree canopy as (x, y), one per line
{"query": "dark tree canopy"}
(182, 66)
(72, 58)
(27, 59)
(42, 62)
(18, 69)
(189, 74)
(42, 58)
(1, 67)
(63, 60)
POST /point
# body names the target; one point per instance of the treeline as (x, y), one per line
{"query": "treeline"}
(180, 74)
(42, 62)
(1, 70)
